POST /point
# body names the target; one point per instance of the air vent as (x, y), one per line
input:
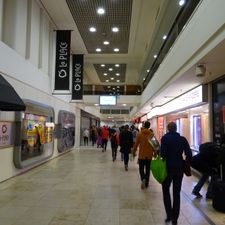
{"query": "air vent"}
(115, 111)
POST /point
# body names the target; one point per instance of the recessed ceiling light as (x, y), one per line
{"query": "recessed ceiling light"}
(115, 29)
(105, 74)
(107, 81)
(92, 29)
(164, 37)
(112, 78)
(117, 65)
(100, 11)
(117, 74)
(147, 71)
(144, 78)
(181, 2)
(116, 50)
(96, 104)
(109, 86)
(102, 65)
(98, 50)
(124, 104)
(110, 69)
(155, 56)
(113, 88)
(118, 86)
(117, 80)
(106, 42)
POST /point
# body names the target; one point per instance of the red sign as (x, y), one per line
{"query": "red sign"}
(160, 127)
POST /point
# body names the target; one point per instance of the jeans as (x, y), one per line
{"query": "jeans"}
(172, 210)
(144, 170)
(114, 153)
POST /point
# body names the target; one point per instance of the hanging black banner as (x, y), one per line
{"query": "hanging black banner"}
(77, 79)
(62, 63)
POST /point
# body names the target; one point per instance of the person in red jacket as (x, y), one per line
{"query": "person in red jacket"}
(105, 137)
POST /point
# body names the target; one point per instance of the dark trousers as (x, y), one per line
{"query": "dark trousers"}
(144, 169)
(126, 158)
(114, 153)
(202, 180)
(172, 210)
(104, 144)
(85, 140)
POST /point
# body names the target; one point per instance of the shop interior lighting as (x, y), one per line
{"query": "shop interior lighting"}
(98, 50)
(117, 80)
(116, 50)
(107, 81)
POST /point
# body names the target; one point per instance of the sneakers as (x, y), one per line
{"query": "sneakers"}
(143, 184)
(197, 194)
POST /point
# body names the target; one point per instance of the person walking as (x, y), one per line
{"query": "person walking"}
(114, 144)
(86, 136)
(146, 152)
(173, 145)
(126, 143)
(105, 138)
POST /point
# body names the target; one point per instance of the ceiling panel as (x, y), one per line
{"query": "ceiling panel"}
(117, 13)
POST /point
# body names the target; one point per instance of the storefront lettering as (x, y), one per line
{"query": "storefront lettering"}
(63, 57)
(77, 75)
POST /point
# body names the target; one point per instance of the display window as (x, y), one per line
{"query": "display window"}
(34, 129)
(66, 138)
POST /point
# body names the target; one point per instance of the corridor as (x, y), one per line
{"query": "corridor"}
(84, 187)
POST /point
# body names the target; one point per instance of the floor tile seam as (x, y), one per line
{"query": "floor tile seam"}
(208, 219)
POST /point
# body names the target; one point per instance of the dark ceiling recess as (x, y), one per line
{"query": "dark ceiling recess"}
(117, 13)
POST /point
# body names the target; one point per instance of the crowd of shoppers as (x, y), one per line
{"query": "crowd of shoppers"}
(129, 140)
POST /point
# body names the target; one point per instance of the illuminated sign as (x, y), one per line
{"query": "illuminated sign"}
(191, 98)
(5, 133)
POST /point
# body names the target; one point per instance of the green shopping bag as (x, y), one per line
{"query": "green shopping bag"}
(158, 168)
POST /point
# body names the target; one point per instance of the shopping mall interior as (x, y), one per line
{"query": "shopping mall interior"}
(68, 66)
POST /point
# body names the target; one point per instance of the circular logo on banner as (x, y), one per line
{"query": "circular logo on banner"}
(4, 128)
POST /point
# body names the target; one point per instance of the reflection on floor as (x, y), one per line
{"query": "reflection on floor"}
(84, 187)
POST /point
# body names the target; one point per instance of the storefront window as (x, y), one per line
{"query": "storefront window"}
(34, 134)
(197, 132)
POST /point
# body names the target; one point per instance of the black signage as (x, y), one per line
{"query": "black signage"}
(62, 64)
(77, 79)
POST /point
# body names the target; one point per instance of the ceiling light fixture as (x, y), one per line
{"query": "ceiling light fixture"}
(92, 29)
(112, 78)
(107, 81)
(105, 74)
(117, 74)
(102, 65)
(164, 37)
(155, 56)
(100, 11)
(106, 42)
(96, 104)
(110, 69)
(117, 65)
(98, 49)
(117, 80)
(115, 29)
(147, 71)
(116, 50)
(181, 2)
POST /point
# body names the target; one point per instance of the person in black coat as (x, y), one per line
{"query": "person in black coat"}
(126, 143)
(207, 162)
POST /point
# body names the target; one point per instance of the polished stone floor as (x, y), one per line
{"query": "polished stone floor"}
(84, 187)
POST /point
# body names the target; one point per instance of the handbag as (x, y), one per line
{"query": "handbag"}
(158, 168)
(187, 168)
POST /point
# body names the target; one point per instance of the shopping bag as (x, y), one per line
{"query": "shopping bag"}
(154, 143)
(187, 168)
(158, 168)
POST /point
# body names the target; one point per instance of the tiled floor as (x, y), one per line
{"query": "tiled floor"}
(84, 187)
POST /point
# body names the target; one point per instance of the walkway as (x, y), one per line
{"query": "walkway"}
(84, 187)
